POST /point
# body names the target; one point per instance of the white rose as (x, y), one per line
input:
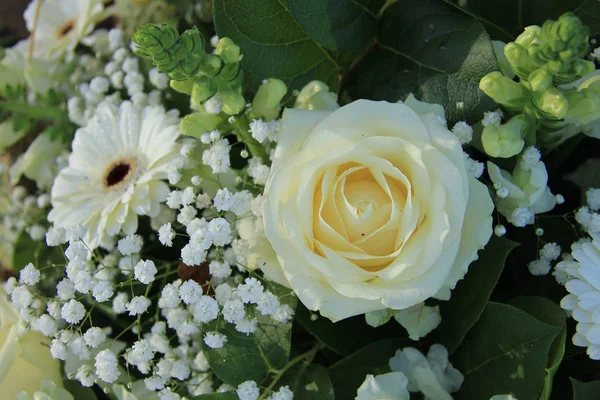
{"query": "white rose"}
(25, 362)
(370, 206)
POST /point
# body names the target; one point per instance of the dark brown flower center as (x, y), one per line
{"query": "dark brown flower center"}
(65, 29)
(117, 173)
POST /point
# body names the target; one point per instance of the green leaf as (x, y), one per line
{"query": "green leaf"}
(9, 135)
(585, 390)
(549, 312)
(308, 382)
(471, 295)
(587, 175)
(348, 374)
(217, 396)
(252, 357)
(505, 19)
(36, 252)
(273, 44)
(432, 49)
(340, 25)
(335, 335)
(505, 352)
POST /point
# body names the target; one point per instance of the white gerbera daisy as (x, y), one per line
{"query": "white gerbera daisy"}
(61, 24)
(584, 298)
(116, 171)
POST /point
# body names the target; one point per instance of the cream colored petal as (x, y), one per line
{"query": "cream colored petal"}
(476, 230)
(296, 126)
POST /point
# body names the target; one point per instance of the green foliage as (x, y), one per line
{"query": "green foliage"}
(252, 357)
(471, 295)
(348, 374)
(546, 311)
(335, 335)
(505, 352)
(585, 390)
(431, 49)
(36, 252)
(275, 44)
(308, 382)
(217, 396)
(587, 175)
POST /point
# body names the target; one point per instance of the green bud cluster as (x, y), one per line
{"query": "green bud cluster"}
(191, 69)
(549, 64)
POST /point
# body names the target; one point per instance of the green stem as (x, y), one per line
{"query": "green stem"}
(307, 357)
(241, 127)
(36, 112)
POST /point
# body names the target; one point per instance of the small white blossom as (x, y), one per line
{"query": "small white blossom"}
(593, 198)
(213, 105)
(463, 132)
(190, 292)
(550, 252)
(539, 267)
(73, 312)
(94, 336)
(248, 391)
(169, 297)
(205, 309)
(246, 326)
(120, 303)
(107, 366)
(521, 217)
(138, 305)
(219, 269)
(65, 289)
(215, 340)
(251, 291)
(47, 325)
(102, 291)
(492, 118)
(29, 275)
(500, 230)
(158, 79)
(145, 270)
(130, 244)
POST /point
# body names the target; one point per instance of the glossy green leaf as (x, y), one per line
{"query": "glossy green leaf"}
(587, 175)
(273, 44)
(549, 312)
(308, 382)
(585, 390)
(339, 25)
(505, 352)
(471, 295)
(432, 49)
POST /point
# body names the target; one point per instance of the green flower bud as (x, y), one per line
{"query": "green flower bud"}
(197, 123)
(505, 66)
(228, 50)
(315, 95)
(233, 103)
(566, 38)
(506, 140)
(154, 39)
(504, 91)
(531, 34)
(183, 86)
(204, 88)
(211, 65)
(230, 71)
(540, 80)
(517, 55)
(584, 106)
(550, 104)
(267, 100)
(189, 66)
(192, 41)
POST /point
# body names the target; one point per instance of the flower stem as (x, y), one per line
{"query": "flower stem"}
(241, 127)
(307, 357)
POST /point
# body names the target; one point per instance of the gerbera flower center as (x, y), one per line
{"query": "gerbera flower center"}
(65, 28)
(117, 173)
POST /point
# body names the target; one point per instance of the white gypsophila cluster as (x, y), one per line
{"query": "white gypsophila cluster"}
(463, 131)
(492, 118)
(265, 130)
(581, 281)
(587, 216)
(114, 70)
(548, 253)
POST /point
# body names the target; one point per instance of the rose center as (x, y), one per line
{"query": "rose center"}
(365, 208)
(118, 173)
(65, 28)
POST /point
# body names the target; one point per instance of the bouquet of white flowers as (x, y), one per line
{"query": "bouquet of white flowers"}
(274, 199)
